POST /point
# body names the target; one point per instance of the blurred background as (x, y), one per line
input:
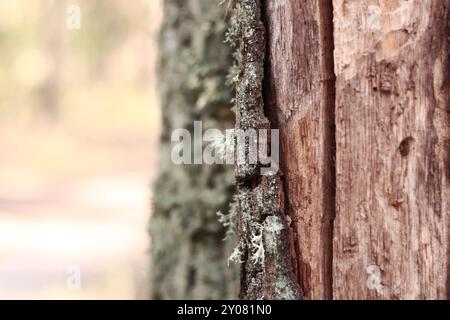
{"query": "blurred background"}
(79, 131)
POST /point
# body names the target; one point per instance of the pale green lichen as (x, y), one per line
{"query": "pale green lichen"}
(228, 221)
(188, 254)
(262, 232)
(257, 249)
(273, 226)
(237, 255)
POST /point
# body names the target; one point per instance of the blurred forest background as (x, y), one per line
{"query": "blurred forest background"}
(79, 127)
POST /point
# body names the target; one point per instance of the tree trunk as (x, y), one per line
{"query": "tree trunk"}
(359, 90)
(300, 101)
(189, 254)
(392, 195)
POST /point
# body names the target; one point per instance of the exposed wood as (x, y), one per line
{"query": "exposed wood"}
(300, 102)
(266, 270)
(365, 153)
(392, 136)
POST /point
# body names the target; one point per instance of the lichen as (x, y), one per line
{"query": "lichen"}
(237, 255)
(228, 221)
(264, 248)
(188, 254)
(257, 249)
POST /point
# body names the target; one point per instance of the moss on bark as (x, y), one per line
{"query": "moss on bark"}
(266, 270)
(188, 254)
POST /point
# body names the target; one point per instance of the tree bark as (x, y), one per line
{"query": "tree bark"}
(359, 90)
(189, 254)
(266, 271)
(392, 196)
(300, 102)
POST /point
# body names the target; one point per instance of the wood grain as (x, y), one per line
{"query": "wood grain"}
(299, 92)
(392, 137)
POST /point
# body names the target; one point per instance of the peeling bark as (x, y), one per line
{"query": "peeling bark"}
(266, 271)
(300, 102)
(360, 92)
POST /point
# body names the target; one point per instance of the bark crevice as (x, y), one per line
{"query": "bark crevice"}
(329, 146)
(266, 270)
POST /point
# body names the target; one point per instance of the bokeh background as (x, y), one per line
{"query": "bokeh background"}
(79, 130)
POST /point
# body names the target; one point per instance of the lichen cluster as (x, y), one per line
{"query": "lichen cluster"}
(189, 256)
(262, 250)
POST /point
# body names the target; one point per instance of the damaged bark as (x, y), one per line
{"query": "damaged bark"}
(300, 102)
(359, 90)
(266, 270)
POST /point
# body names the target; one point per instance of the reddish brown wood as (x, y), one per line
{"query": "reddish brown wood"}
(385, 120)
(391, 238)
(300, 102)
